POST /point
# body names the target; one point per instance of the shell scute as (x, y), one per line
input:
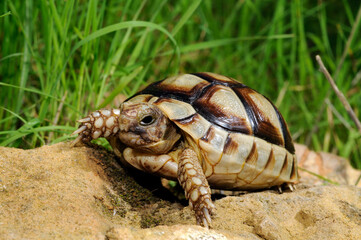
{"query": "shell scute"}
(265, 122)
(212, 144)
(194, 125)
(224, 108)
(256, 161)
(175, 109)
(236, 149)
(184, 87)
(287, 168)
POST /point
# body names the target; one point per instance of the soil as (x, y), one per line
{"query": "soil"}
(59, 192)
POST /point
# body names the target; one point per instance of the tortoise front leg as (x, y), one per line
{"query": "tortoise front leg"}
(163, 165)
(195, 185)
(101, 123)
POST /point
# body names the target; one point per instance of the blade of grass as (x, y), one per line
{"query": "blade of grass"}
(120, 87)
(223, 42)
(319, 176)
(120, 26)
(185, 17)
(37, 92)
(26, 56)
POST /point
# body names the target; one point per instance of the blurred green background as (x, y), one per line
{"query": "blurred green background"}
(60, 60)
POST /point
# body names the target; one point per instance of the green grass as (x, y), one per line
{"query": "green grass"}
(60, 60)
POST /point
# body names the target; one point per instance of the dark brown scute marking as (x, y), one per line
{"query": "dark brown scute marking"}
(217, 115)
(271, 161)
(230, 145)
(285, 131)
(188, 120)
(253, 155)
(185, 91)
(239, 92)
(293, 175)
(262, 128)
(209, 134)
(285, 164)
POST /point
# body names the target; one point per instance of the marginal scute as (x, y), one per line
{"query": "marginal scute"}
(233, 161)
(230, 146)
(264, 150)
(223, 181)
(267, 175)
(212, 144)
(280, 156)
(253, 168)
(286, 168)
(294, 173)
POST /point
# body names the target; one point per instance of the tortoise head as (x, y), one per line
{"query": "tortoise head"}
(143, 126)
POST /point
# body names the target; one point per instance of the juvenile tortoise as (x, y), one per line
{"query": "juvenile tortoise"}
(204, 130)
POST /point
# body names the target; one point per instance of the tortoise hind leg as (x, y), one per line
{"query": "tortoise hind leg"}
(195, 185)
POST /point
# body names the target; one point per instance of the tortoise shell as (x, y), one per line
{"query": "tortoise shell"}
(240, 137)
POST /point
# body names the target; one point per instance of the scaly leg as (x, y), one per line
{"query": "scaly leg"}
(162, 165)
(195, 185)
(101, 123)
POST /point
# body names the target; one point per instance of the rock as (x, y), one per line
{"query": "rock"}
(83, 193)
(179, 232)
(331, 167)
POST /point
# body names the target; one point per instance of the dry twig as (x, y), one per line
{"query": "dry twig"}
(339, 93)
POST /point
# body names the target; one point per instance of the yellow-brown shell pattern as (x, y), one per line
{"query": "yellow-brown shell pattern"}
(242, 137)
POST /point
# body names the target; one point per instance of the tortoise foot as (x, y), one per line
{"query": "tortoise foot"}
(101, 123)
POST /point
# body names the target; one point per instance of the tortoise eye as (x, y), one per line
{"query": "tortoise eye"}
(147, 120)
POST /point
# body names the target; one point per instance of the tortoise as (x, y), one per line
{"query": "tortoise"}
(204, 130)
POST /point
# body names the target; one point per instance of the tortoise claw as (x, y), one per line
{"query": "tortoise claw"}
(76, 140)
(79, 130)
(203, 208)
(84, 120)
(83, 136)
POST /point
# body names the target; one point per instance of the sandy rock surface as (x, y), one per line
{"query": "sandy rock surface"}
(58, 192)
